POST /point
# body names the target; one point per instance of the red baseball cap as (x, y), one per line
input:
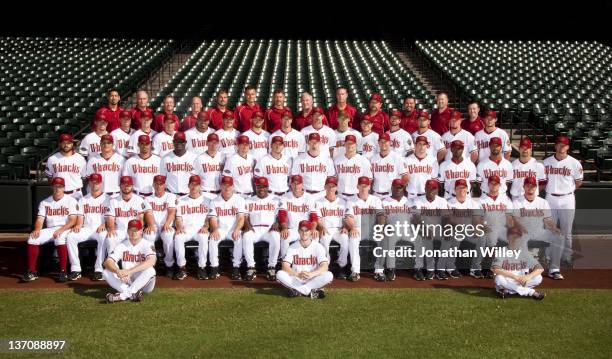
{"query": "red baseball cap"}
(278, 139)
(432, 183)
(169, 118)
(261, 181)
(395, 113)
(563, 140)
(95, 178)
(66, 137)
(366, 118)
(203, 115)
(125, 113)
(318, 110)
(461, 182)
(227, 180)
(305, 224)
(421, 139)
(135, 224)
(101, 117)
(314, 137)
(144, 139)
(126, 180)
(297, 179)
(350, 138)
(376, 97)
(457, 143)
(385, 137)
(530, 181)
(195, 179)
(159, 179)
(398, 182)
(494, 178)
(287, 113)
(179, 137)
(58, 181)
(257, 114)
(106, 137)
(526, 142)
(331, 180)
(456, 115)
(212, 137)
(495, 141)
(228, 114)
(424, 114)
(491, 113)
(146, 115)
(242, 140)
(363, 180)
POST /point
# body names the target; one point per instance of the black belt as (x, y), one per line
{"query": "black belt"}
(313, 192)
(561, 194)
(144, 194)
(180, 194)
(71, 192)
(381, 193)
(111, 193)
(279, 193)
(349, 194)
(417, 194)
(262, 225)
(214, 192)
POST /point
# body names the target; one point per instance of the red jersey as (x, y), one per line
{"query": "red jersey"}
(189, 121)
(472, 126)
(410, 121)
(332, 116)
(440, 120)
(300, 121)
(216, 118)
(380, 122)
(244, 113)
(272, 118)
(158, 122)
(111, 116)
(137, 114)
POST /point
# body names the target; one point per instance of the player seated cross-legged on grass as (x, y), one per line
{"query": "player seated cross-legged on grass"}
(137, 273)
(517, 275)
(59, 213)
(89, 227)
(305, 266)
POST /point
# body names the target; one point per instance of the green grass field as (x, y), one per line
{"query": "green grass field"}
(360, 322)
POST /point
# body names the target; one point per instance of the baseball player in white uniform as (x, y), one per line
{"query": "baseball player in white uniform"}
(455, 168)
(296, 206)
(227, 213)
(146, 120)
(293, 139)
(227, 135)
(58, 213)
(421, 166)
(240, 166)
(342, 131)
(275, 167)
(143, 167)
(526, 166)
(197, 137)
(107, 163)
(191, 225)
(326, 134)
(209, 166)
(68, 165)
(177, 166)
(484, 136)
(563, 177)
(462, 210)
(136, 275)
(386, 166)
(436, 147)
(349, 167)
(369, 138)
(401, 141)
(262, 209)
(163, 209)
(314, 167)
(163, 142)
(496, 164)
(259, 138)
(123, 133)
(89, 226)
(305, 266)
(91, 143)
(456, 133)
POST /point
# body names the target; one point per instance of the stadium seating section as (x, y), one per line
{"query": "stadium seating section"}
(53, 85)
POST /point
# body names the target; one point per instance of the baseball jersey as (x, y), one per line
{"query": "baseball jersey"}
(494, 209)
(121, 141)
(434, 139)
(109, 169)
(133, 143)
(328, 137)
(397, 211)
(472, 126)
(177, 170)
(462, 212)
(197, 140)
(488, 167)
(262, 211)
(297, 208)
(163, 143)
(523, 263)
(276, 171)
(142, 171)
(227, 212)
(258, 143)
(349, 170)
(160, 205)
(420, 170)
(209, 169)
(56, 213)
(132, 255)
(192, 211)
(431, 212)
(357, 207)
(531, 214)
(386, 169)
(339, 149)
(451, 171)
(241, 169)
(90, 144)
(227, 141)
(369, 145)
(314, 170)
(273, 118)
(469, 144)
(333, 111)
(482, 139)
(401, 142)
(521, 170)
(216, 117)
(305, 259)
(71, 168)
(561, 175)
(293, 140)
(331, 213)
(93, 209)
(124, 211)
(244, 113)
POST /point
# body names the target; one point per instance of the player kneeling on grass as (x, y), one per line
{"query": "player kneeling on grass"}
(305, 266)
(137, 273)
(517, 275)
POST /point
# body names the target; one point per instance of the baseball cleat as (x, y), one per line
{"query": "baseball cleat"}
(503, 293)
(251, 274)
(354, 277)
(429, 275)
(169, 272)
(137, 297)
(236, 274)
(476, 274)
(317, 294)
(538, 295)
(454, 274)
(62, 277)
(418, 275)
(97, 276)
(214, 273)
(74, 276)
(181, 273)
(489, 274)
(293, 293)
(112, 297)
(271, 274)
(391, 274)
(201, 275)
(29, 276)
(441, 275)
(379, 277)
(556, 276)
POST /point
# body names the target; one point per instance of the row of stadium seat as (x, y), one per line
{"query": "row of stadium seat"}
(295, 66)
(54, 85)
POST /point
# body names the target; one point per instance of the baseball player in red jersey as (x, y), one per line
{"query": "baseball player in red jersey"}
(436, 145)
(369, 139)
(387, 165)
(159, 124)
(143, 167)
(146, 119)
(410, 115)
(89, 226)
(304, 118)
(563, 177)
(227, 212)
(483, 137)
(240, 166)
(401, 141)
(275, 167)
(91, 142)
(163, 142)
(141, 108)
(295, 207)
(442, 114)
(316, 124)
(217, 114)
(190, 120)
(136, 275)
(305, 267)
(191, 224)
(258, 137)
(110, 111)
(198, 135)
(456, 133)
(456, 168)
(123, 133)
(244, 113)
(380, 119)
(58, 213)
(526, 166)
(495, 164)
(294, 140)
(108, 163)
(517, 275)
(68, 165)
(275, 113)
(177, 166)
(262, 209)
(209, 166)
(227, 135)
(343, 106)
(314, 168)
(473, 123)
